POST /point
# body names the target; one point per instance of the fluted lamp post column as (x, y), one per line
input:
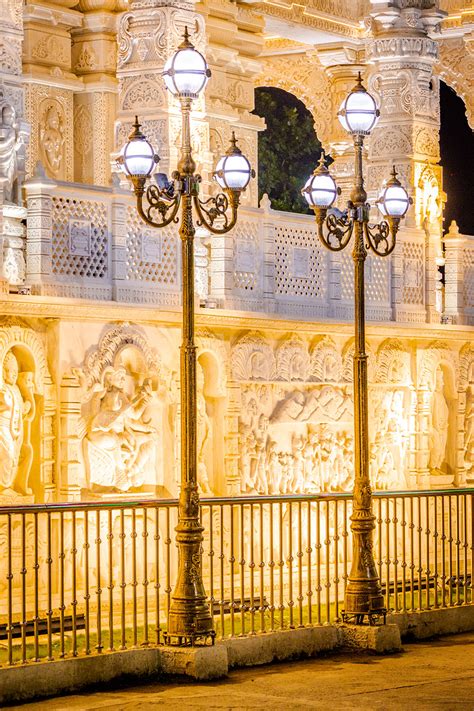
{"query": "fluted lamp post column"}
(186, 74)
(359, 114)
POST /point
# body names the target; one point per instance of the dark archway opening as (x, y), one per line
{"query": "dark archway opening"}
(457, 159)
(287, 150)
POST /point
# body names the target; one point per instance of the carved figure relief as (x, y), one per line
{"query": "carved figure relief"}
(203, 434)
(127, 418)
(439, 425)
(17, 410)
(10, 147)
(52, 138)
(390, 428)
(119, 443)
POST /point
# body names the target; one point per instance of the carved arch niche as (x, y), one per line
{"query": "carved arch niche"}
(438, 376)
(28, 415)
(304, 77)
(292, 360)
(211, 404)
(252, 358)
(117, 413)
(326, 361)
(348, 361)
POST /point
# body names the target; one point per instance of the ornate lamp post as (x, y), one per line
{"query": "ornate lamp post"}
(186, 74)
(358, 114)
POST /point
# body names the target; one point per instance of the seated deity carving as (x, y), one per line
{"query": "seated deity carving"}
(119, 444)
(17, 411)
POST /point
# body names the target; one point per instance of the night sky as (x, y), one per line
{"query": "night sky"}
(457, 159)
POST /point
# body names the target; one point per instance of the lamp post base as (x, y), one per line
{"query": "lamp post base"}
(189, 617)
(189, 623)
(363, 596)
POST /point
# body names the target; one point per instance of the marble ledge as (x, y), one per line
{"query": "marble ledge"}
(48, 307)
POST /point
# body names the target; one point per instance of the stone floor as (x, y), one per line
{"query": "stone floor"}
(437, 674)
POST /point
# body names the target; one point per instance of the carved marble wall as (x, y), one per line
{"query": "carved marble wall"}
(275, 408)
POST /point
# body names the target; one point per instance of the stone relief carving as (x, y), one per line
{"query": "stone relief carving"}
(146, 91)
(252, 359)
(50, 48)
(11, 423)
(292, 360)
(10, 55)
(11, 153)
(303, 76)
(52, 138)
(300, 442)
(27, 410)
(17, 412)
(393, 363)
(438, 425)
(204, 434)
(83, 142)
(119, 442)
(126, 419)
(326, 362)
(456, 68)
(87, 59)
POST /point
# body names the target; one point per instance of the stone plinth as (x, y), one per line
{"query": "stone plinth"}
(381, 639)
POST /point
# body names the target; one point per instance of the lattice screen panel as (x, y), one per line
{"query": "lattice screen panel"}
(468, 278)
(300, 263)
(75, 257)
(347, 275)
(246, 255)
(413, 273)
(158, 266)
(377, 284)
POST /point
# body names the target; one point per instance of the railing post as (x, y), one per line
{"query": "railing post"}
(39, 229)
(334, 292)
(268, 239)
(454, 274)
(119, 247)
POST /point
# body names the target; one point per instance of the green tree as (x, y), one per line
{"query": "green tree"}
(287, 150)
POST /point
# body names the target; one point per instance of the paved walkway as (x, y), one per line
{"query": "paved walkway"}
(433, 675)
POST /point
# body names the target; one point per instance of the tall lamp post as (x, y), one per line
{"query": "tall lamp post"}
(358, 115)
(185, 74)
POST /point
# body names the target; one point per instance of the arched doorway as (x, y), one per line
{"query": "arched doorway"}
(287, 150)
(457, 159)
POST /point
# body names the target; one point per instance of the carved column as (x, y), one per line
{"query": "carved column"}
(403, 55)
(454, 275)
(422, 447)
(147, 36)
(71, 466)
(235, 41)
(341, 62)
(50, 86)
(38, 191)
(94, 53)
(14, 133)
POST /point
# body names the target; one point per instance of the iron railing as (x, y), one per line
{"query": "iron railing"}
(78, 579)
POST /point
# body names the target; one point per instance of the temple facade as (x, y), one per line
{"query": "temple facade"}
(91, 296)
